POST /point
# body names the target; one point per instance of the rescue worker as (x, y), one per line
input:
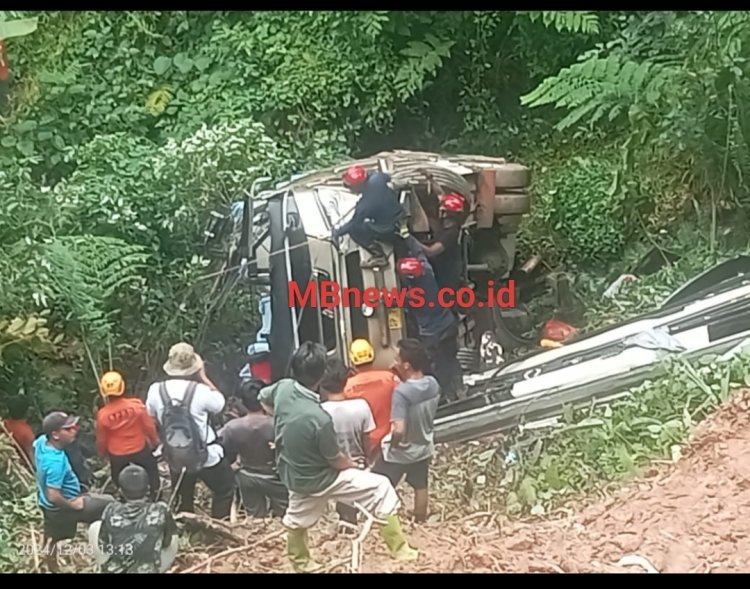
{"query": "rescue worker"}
(137, 535)
(374, 386)
(352, 422)
(437, 325)
(58, 488)
(312, 466)
(378, 216)
(125, 432)
(444, 251)
(408, 448)
(249, 439)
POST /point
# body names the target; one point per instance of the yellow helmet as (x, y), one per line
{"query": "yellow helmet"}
(112, 384)
(361, 352)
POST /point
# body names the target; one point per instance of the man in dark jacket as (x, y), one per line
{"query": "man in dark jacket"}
(437, 325)
(378, 216)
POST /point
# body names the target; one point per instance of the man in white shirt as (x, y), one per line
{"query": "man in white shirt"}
(184, 367)
(352, 422)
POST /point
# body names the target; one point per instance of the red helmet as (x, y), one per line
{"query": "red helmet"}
(355, 176)
(452, 202)
(411, 267)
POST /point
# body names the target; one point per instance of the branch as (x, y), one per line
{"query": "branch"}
(230, 551)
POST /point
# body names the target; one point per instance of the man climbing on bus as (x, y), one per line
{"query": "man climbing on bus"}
(436, 324)
(378, 216)
(444, 250)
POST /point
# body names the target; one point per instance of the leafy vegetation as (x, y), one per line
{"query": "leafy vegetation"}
(19, 511)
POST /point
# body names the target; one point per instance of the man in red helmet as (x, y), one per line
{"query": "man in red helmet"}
(437, 325)
(377, 217)
(444, 250)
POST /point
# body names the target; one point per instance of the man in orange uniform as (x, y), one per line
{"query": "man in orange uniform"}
(374, 386)
(126, 432)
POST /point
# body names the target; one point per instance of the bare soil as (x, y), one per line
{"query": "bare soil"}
(691, 516)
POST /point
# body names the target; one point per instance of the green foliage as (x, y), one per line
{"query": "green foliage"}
(579, 215)
(566, 20)
(599, 87)
(18, 510)
(86, 273)
(680, 83)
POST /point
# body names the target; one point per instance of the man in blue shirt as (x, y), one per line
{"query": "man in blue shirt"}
(59, 490)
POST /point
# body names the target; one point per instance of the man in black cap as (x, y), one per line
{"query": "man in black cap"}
(136, 536)
(59, 490)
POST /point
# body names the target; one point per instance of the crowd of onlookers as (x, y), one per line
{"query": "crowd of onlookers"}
(325, 434)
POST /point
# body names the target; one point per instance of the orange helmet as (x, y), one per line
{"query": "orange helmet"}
(112, 384)
(355, 175)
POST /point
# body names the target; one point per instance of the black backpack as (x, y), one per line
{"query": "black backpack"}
(184, 447)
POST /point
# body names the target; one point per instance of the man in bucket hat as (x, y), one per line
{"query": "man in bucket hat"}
(187, 381)
(59, 489)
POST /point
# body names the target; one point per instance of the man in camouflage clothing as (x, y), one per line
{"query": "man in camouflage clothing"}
(136, 536)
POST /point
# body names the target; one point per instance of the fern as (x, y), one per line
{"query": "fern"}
(602, 86)
(426, 58)
(572, 21)
(86, 272)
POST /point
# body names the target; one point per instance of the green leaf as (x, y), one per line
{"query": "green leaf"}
(26, 147)
(17, 28)
(202, 63)
(183, 63)
(25, 126)
(161, 65)
(8, 141)
(527, 492)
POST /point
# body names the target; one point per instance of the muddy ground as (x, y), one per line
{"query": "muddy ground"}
(692, 516)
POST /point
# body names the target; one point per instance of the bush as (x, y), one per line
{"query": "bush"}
(579, 214)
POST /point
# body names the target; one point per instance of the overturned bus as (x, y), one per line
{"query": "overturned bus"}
(283, 236)
(285, 239)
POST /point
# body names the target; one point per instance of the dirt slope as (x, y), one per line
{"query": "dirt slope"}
(690, 517)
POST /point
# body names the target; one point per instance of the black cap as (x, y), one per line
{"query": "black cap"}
(58, 420)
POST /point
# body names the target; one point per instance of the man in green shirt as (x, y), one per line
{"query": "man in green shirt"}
(312, 467)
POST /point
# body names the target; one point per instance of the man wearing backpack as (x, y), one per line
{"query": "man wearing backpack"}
(182, 406)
